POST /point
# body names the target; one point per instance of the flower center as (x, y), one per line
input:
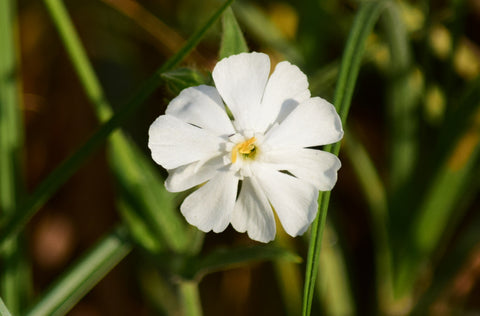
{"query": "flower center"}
(246, 149)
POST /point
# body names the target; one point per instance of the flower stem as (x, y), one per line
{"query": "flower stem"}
(190, 296)
(362, 26)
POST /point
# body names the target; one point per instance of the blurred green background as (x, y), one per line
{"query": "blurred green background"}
(409, 181)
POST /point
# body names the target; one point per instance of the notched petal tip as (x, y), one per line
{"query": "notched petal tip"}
(240, 80)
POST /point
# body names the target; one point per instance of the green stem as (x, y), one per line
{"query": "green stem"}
(14, 271)
(190, 297)
(79, 58)
(362, 27)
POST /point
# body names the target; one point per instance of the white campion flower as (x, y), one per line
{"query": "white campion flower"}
(266, 148)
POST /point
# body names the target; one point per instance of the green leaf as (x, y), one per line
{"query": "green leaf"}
(83, 276)
(183, 78)
(362, 27)
(143, 193)
(13, 224)
(333, 284)
(260, 27)
(438, 213)
(79, 58)
(223, 259)
(402, 100)
(233, 41)
(464, 250)
(376, 196)
(143, 201)
(14, 270)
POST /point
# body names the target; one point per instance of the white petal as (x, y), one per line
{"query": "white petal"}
(253, 213)
(314, 166)
(211, 206)
(240, 80)
(188, 176)
(201, 106)
(286, 88)
(294, 200)
(314, 122)
(175, 143)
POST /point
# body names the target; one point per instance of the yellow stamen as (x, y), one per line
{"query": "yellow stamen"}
(246, 148)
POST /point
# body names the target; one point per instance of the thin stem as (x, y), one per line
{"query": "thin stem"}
(14, 280)
(351, 61)
(190, 297)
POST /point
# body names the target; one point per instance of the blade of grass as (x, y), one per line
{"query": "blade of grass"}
(12, 225)
(376, 197)
(289, 277)
(333, 284)
(362, 26)
(401, 102)
(143, 193)
(83, 276)
(233, 41)
(262, 28)
(79, 59)
(466, 243)
(140, 186)
(157, 289)
(438, 213)
(14, 270)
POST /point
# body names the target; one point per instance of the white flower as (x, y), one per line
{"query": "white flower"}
(266, 149)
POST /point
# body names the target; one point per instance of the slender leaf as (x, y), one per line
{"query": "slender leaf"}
(465, 245)
(14, 271)
(158, 290)
(83, 276)
(349, 69)
(262, 28)
(333, 283)
(12, 225)
(223, 259)
(233, 41)
(79, 58)
(143, 193)
(401, 101)
(139, 185)
(438, 213)
(376, 196)
(182, 78)
(288, 276)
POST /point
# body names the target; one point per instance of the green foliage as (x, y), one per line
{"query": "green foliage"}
(182, 78)
(150, 210)
(233, 41)
(83, 275)
(222, 259)
(352, 57)
(14, 272)
(416, 204)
